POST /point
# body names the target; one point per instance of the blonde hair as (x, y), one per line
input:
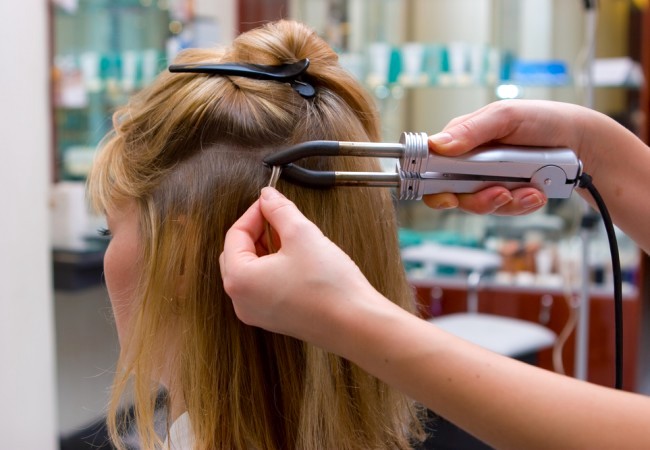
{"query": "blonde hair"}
(189, 151)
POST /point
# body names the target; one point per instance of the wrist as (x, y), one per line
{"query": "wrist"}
(373, 331)
(349, 324)
(592, 133)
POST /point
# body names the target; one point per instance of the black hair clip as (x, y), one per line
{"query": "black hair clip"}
(287, 73)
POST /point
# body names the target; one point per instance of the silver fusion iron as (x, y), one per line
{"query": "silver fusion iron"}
(554, 171)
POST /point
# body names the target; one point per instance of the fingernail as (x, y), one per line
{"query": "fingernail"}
(502, 199)
(441, 138)
(269, 193)
(532, 201)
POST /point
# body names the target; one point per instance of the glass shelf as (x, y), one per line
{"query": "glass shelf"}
(104, 51)
(427, 62)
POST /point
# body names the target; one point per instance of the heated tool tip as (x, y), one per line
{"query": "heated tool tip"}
(303, 150)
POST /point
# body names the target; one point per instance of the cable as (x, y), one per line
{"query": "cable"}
(586, 182)
(569, 327)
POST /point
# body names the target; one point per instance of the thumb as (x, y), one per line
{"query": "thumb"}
(285, 218)
(471, 130)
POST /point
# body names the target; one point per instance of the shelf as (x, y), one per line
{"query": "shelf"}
(104, 51)
(108, 5)
(76, 270)
(532, 286)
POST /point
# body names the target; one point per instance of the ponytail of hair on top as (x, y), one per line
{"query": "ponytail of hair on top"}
(188, 149)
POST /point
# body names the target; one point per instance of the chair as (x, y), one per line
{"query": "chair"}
(508, 336)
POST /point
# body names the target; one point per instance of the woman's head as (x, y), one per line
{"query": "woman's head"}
(184, 162)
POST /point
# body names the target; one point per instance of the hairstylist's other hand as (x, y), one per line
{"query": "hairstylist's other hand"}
(515, 122)
(296, 290)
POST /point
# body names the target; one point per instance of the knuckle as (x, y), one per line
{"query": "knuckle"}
(294, 230)
(244, 316)
(482, 209)
(230, 285)
(236, 284)
(278, 209)
(469, 130)
(473, 204)
(290, 220)
(468, 126)
(505, 107)
(507, 117)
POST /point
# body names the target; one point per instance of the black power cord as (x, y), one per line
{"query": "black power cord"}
(585, 182)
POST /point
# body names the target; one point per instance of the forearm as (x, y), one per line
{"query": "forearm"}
(619, 164)
(506, 403)
(501, 401)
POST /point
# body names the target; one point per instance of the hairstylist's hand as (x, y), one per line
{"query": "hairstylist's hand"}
(296, 290)
(516, 122)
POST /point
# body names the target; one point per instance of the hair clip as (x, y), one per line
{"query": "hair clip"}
(287, 73)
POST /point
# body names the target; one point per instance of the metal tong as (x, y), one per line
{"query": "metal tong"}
(554, 171)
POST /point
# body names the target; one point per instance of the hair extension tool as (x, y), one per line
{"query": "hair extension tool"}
(554, 171)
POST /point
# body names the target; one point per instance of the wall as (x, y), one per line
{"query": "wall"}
(224, 11)
(447, 21)
(611, 41)
(533, 29)
(27, 395)
(86, 354)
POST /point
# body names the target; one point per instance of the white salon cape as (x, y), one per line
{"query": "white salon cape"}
(180, 435)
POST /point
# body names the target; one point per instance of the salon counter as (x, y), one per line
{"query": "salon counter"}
(75, 270)
(548, 306)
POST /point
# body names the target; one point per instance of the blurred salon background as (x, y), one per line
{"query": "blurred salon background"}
(67, 64)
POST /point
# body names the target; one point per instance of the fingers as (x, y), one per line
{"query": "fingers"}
(524, 201)
(509, 122)
(486, 201)
(519, 122)
(285, 218)
(467, 132)
(446, 200)
(240, 241)
(494, 200)
(500, 201)
(243, 241)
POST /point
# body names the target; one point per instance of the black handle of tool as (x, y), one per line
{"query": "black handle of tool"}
(308, 178)
(304, 150)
